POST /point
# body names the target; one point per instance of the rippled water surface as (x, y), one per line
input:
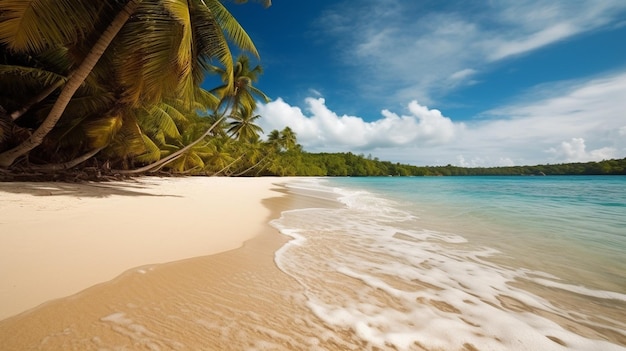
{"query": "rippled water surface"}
(489, 263)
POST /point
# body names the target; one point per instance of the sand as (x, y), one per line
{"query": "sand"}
(57, 239)
(66, 245)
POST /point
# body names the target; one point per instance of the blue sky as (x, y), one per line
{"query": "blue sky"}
(468, 83)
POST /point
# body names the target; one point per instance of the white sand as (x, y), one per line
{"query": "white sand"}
(57, 239)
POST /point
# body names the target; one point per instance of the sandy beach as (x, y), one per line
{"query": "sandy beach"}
(57, 239)
(154, 264)
(105, 244)
(200, 264)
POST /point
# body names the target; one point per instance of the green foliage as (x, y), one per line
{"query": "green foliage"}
(140, 101)
(349, 164)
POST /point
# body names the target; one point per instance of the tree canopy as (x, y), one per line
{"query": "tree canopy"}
(117, 84)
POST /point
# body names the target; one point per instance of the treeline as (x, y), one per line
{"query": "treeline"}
(298, 163)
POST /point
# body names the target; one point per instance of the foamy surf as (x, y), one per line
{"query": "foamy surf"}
(372, 271)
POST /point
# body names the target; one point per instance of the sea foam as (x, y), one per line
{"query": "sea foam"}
(370, 269)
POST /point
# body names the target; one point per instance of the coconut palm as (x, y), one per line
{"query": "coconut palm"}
(242, 126)
(20, 18)
(288, 138)
(274, 141)
(136, 51)
(242, 96)
(255, 155)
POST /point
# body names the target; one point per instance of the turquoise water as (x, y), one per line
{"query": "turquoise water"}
(563, 220)
(494, 263)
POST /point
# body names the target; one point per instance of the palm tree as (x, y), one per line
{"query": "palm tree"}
(288, 138)
(243, 127)
(274, 140)
(241, 97)
(53, 36)
(191, 31)
(255, 154)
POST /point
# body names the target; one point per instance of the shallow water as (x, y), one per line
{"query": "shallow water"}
(488, 263)
(377, 264)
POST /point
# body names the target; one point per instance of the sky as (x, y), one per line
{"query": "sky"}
(437, 82)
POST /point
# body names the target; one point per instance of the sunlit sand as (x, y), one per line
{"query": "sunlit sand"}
(57, 239)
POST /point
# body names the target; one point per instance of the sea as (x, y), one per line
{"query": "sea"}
(462, 263)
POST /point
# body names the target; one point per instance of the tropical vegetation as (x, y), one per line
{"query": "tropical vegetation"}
(98, 89)
(117, 86)
(295, 162)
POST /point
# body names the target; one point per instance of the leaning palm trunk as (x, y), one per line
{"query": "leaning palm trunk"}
(160, 163)
(7, 158)
(69, 164)
(227, 167)
(44, 94)
(251, 167)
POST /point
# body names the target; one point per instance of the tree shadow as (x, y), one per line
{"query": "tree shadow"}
(95, 190)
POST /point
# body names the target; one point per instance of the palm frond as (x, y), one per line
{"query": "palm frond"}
(205, 100)
(145, 47)
(153, 153)
(102, 131)
(128, 141)
(34, 25)
(175, 113)
(179, 9)
(229, 24)
(161, 120)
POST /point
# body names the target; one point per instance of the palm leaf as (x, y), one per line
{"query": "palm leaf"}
(34, 25)
(128, 141)
(153, 153)
(102, 131)
(231, 27)
(163, 121)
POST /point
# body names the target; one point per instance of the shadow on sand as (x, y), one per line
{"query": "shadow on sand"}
(88, 189)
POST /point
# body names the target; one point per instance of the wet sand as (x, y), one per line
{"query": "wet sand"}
(232, 300)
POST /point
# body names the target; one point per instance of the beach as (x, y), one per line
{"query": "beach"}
(82, 263)
(313, 264)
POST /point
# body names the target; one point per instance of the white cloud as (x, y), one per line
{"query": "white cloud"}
(575, 150)
(414, 50)
(577, 121)
(462, 74)
(533, 41)
(323, 129)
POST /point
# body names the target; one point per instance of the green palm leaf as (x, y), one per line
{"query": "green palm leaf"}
(153, 153)
(161, 120)
(33, 26)
(102, 131)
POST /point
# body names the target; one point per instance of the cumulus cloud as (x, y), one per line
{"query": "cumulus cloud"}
(323, 129)
(574, 122)
(575, 150)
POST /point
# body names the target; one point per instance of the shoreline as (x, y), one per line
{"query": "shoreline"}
(232, 300)
(57, 239)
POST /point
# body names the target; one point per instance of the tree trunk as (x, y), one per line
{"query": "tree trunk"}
(44, 94)
(251, 167)
(7, 158)
(227, 166)
(69, 164)
(158, 164)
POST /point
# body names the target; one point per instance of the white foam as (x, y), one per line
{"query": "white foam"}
(582, 290)
(118, 318)
(447, 293)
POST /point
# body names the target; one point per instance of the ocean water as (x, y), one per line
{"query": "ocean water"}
(462, 263)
